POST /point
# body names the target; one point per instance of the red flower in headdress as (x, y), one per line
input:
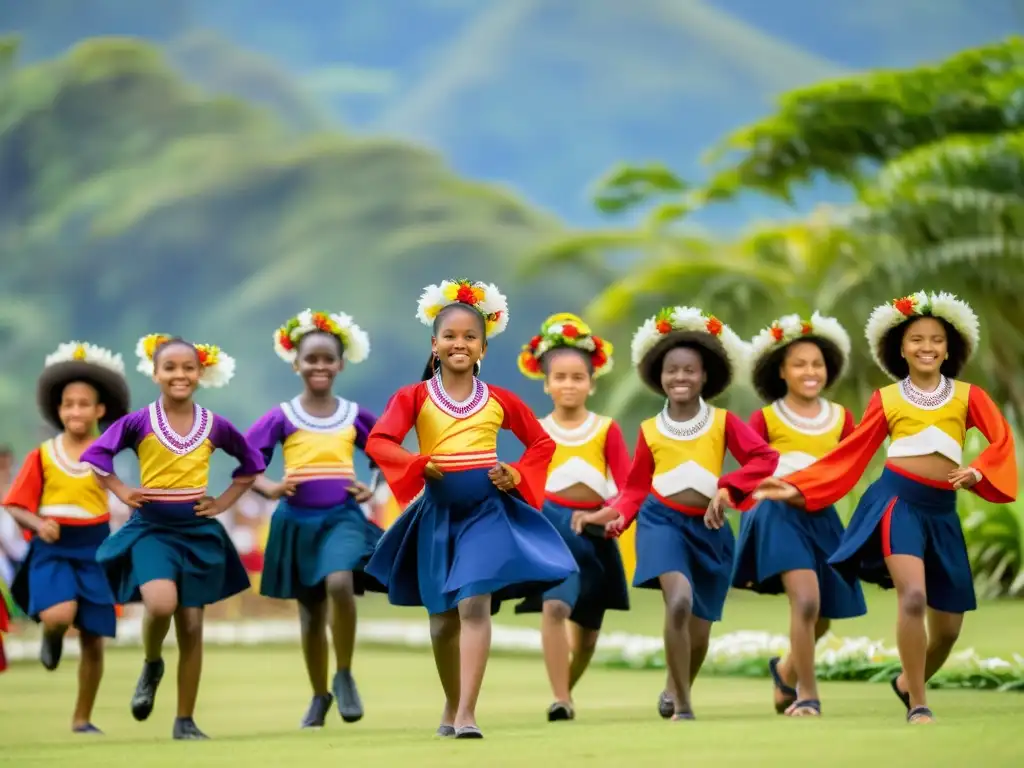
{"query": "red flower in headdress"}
(530, 363)
(466, 294)
(570, 331)
(664, 326)
(285, 340)
(806, 329)
(777, 333)
(535, 342)
(714, 325)
(905, 305)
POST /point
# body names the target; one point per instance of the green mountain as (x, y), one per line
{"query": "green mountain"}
(135, 203)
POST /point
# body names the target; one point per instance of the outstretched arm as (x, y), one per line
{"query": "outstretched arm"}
(638, 483)
(757, 459)
(997, 464)
(835, 474)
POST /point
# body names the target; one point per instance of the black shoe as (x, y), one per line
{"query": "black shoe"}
(317, 712)
(145, 689)
(350, 706)
(51, 649)
(666, 705)
(561, 710)
(185, 729)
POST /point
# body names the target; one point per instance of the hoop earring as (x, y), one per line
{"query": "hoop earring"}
(435, 363)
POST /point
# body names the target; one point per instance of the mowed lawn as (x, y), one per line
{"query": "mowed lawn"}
(252, 699)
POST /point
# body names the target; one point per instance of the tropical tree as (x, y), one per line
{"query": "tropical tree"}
(934, 157)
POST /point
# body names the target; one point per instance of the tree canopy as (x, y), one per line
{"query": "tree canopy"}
(934, 155)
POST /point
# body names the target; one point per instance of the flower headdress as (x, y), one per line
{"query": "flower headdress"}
(826, 332)
(216, 367)
(81, 361)
(944, 306)
(83, 352)
(485, 298)
(355, 343)
(691, 324)
(565, 330)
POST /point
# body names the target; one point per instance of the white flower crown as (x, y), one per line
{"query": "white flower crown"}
(790, 328)
(216, 368)
(692, 320)
(485, 298)
(81, 351)
(944, 306)
(355, 343)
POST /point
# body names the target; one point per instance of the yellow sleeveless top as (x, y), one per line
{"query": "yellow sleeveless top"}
(801, 442)
(580, 456)
(687, 456)
(924, 423)
(70, 489)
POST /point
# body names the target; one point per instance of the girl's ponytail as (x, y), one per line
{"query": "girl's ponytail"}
(428, 372)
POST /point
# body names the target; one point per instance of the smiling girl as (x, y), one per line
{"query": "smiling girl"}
(905, 532)
(172, 555)
(782, 548)
(471, 535)
(59, 502)
(590, 465)
(676, 489)
(319, 537)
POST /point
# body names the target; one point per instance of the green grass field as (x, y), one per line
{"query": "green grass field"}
(252, 699)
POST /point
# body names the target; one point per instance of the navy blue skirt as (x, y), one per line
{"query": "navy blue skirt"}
(901, 515)
(669, 541)
(776, 537)
(463, 538)
(305, 545)
(66, 571)
(600, 584)
(169, 541)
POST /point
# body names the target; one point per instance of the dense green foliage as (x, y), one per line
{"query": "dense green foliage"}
(934, 156)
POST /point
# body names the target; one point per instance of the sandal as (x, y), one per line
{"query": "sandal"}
(916, 715)
(902, 695)
(810, 707)
(679, 716)
(788, 692)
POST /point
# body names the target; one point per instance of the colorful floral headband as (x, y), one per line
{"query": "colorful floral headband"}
(792, 328)
(944, 306)
(565, 331)
(216, 367)
(485, 298)
(83, 352)
(688, 320)
(355, 343)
